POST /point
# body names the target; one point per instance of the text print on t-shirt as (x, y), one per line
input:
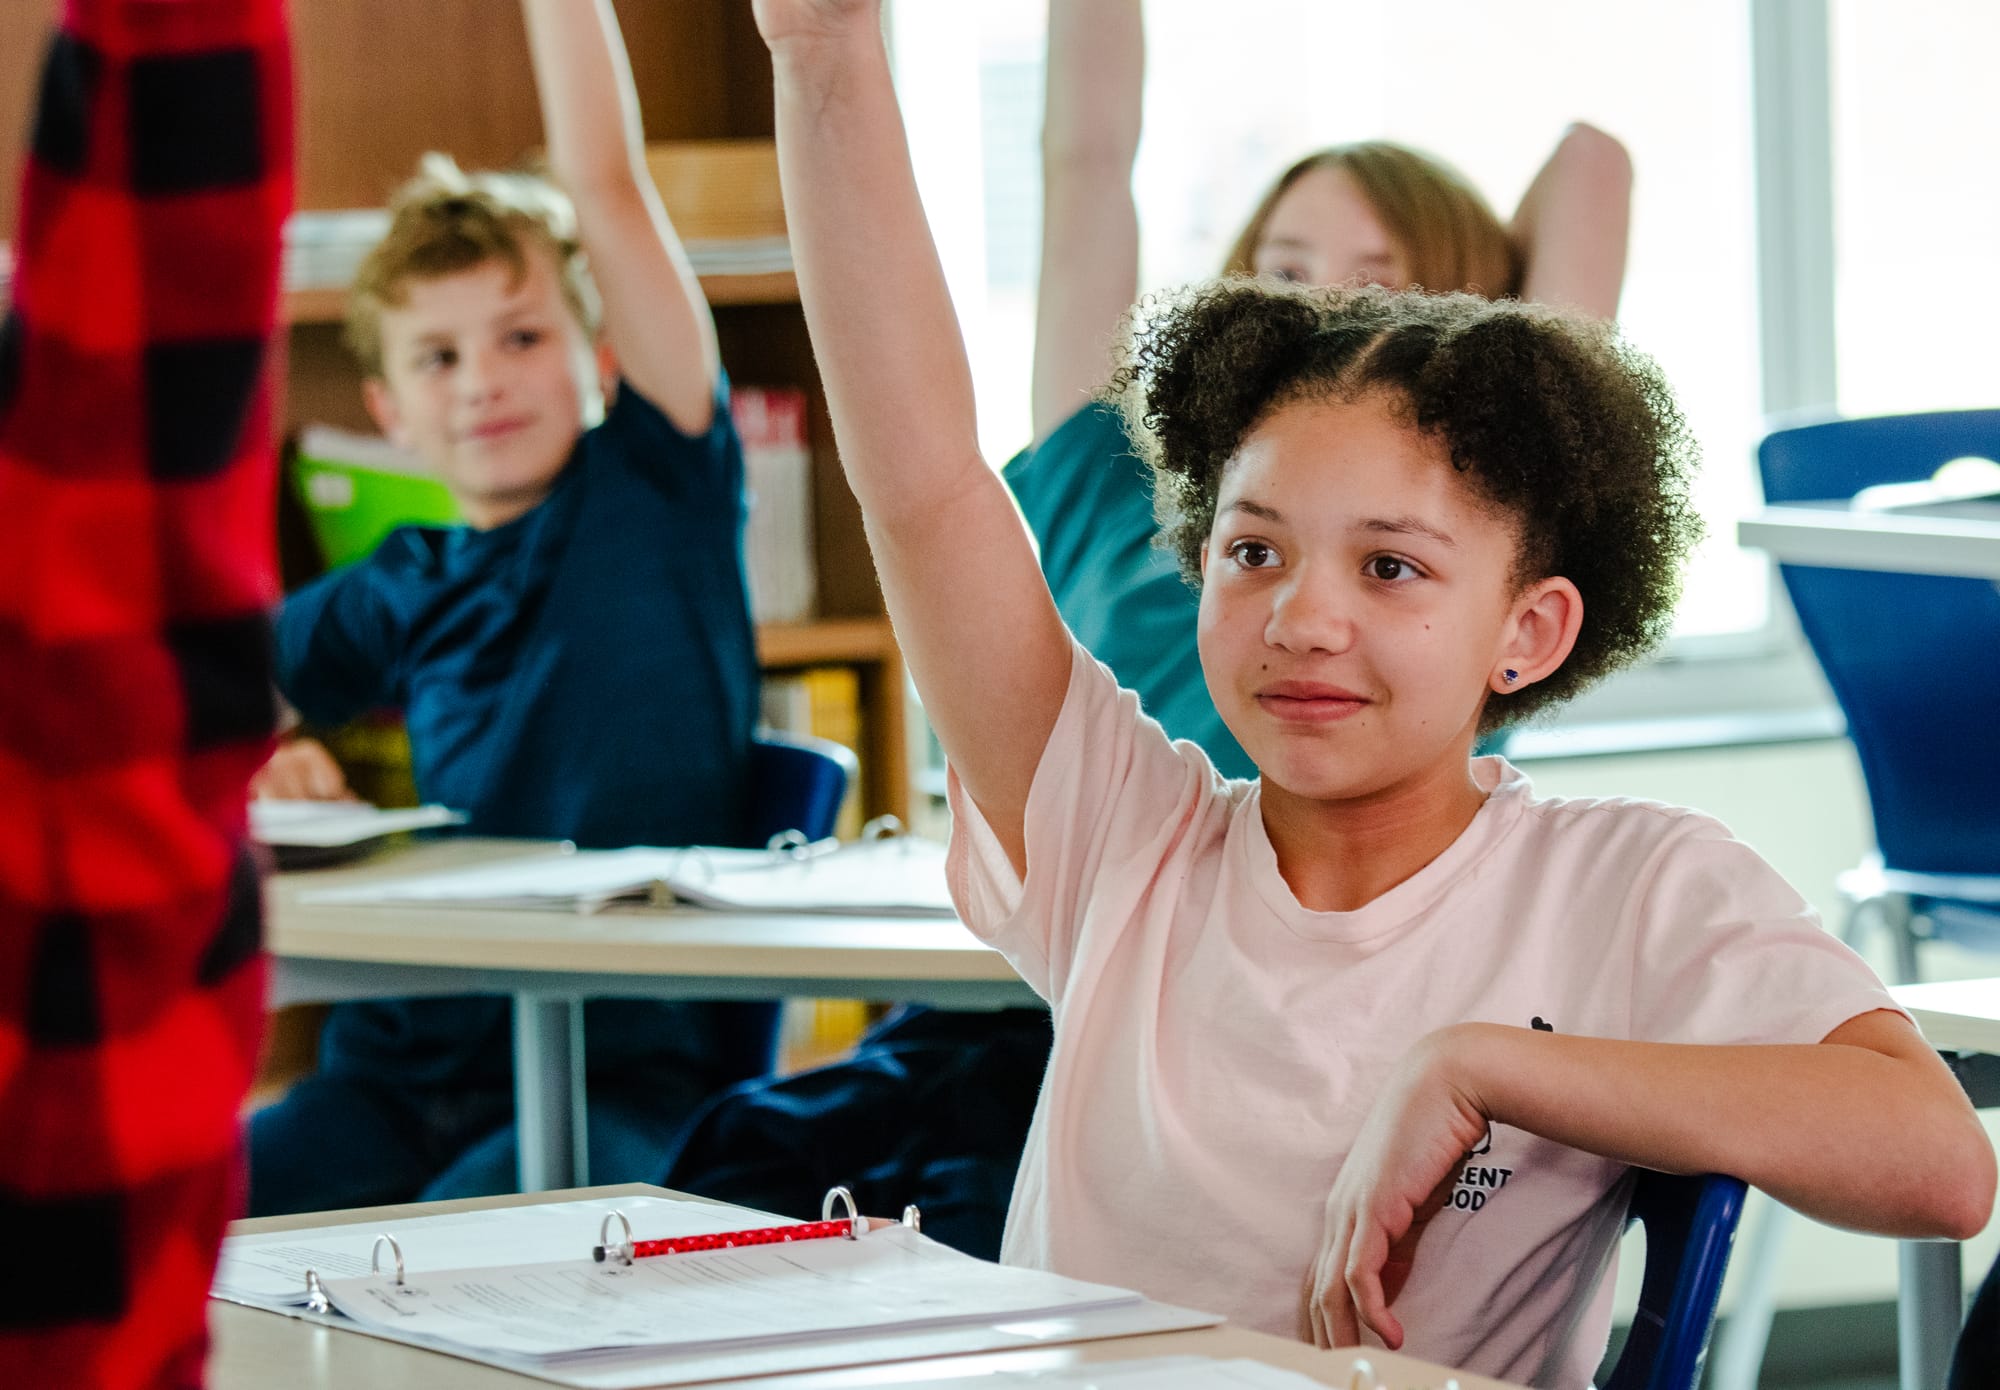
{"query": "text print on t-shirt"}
(1479, 1181)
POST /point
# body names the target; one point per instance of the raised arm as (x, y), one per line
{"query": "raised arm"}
(1574, 221)
(1090, 226)
(654, 314)
(974, 618)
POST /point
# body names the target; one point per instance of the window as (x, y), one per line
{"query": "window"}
(1916, 185)
(1489, 88)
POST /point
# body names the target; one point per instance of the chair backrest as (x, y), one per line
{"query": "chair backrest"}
(1690, 1224)
(1914, 660)
(797, 783)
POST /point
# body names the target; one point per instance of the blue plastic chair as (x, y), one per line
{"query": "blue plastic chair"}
(1690, 1225)
(798, 783)
(1914, 661)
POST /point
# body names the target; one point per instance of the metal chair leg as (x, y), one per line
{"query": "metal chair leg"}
(1901, 922)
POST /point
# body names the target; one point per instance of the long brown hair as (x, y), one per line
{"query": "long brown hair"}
(1448, 234)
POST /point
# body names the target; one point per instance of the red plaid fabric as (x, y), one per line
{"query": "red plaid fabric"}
(136, 569)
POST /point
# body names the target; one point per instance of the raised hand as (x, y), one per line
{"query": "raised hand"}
(1396, 1178)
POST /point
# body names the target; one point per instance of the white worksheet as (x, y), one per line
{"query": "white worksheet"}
(890, 1278)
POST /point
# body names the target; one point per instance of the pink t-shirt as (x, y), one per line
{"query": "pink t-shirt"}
(1217, 1045)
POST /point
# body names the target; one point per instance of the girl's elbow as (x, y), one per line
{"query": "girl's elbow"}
(1970, 1203)
(1954, 1200)
(1596, 154)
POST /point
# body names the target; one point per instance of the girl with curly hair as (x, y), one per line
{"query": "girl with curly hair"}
(1373, 212)
(1363, 1048)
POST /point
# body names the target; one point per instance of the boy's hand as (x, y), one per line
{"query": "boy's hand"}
(781, 21)
(301, 770)
(1397, 1177)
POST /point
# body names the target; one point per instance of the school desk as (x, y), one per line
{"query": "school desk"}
(254, 1350)
(1961, 1019)
(552, 960)
(1831, 535)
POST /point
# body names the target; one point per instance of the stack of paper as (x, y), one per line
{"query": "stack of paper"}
(324, 249)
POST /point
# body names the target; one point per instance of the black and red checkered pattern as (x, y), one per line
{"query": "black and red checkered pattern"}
(136, 568)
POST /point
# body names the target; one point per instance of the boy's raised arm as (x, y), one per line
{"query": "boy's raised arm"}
(973, 615)
(1090, 224)
(654, 314)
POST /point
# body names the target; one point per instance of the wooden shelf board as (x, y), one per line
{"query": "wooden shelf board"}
(327, 305)
(771, 287)
(830, 642)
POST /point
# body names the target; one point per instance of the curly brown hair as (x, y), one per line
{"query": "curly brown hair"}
(1550, 417)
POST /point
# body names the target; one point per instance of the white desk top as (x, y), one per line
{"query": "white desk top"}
(785, 950)
(1955, 1015)
(1831, 535)
(254, 1350)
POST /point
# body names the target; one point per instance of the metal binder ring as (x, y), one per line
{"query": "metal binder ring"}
(913, 1218)
(622, 1251)
(1361, 1376)
(882, 828)
(316, 1299)
(846, 1199)
(791, 843)
(375, 1255)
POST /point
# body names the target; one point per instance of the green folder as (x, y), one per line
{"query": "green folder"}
(358, 488)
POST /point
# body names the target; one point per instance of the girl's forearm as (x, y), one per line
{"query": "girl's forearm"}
(897, 381)
(1574, 222)
(958, 573)
(1848, 1133)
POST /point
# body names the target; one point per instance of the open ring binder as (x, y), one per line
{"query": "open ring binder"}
(375, 1256)
(622, 1251)
(625, 1250)
(846, 1199)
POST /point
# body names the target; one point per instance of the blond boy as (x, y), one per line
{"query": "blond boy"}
(575, 662)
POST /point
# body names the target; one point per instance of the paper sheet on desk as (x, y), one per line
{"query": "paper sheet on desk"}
(327, 824)
(895, 877)
(268, 1270)
(749, 1297)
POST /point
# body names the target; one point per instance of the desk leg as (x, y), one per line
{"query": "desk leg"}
(550, 1113)
(1930, 1305)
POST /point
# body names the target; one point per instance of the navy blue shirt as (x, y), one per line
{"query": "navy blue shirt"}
(1089, 500)
(586, 671)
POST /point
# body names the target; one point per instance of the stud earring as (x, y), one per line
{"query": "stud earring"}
(1510, 676)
